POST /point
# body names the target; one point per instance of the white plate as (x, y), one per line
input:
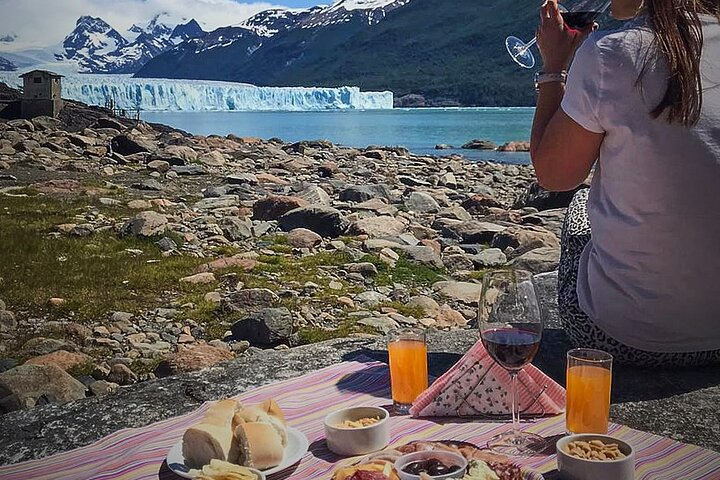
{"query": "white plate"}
(297, 447)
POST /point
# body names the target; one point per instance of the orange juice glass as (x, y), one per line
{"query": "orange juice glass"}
(588, 381)
(407, 350)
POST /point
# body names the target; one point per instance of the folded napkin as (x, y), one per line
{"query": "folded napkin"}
(476, 386)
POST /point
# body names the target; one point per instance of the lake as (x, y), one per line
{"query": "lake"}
(419, 130)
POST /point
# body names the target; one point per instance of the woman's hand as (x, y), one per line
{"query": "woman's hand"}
(557, 42)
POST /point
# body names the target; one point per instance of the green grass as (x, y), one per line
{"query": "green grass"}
(95, 274)
(310, 335)
(406, 310)
(405, 272)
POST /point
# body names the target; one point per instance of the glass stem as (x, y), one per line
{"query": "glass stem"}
(527, 47)
(515, 403)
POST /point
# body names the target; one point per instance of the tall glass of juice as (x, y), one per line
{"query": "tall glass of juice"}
(407, 350)
(589, 381)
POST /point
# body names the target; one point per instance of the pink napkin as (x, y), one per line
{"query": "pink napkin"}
(476, 386)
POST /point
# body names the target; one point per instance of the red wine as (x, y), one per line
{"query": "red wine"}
(579, 20)
(510, 347)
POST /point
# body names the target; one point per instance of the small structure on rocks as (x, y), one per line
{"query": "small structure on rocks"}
(42, 94)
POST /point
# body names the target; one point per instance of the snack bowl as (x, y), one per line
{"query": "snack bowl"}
(575, 468)
(448, 458)
(361, 440)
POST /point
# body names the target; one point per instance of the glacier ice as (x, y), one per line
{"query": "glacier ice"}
(200, 95)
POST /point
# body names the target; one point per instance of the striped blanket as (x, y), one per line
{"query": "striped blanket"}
(139, 454)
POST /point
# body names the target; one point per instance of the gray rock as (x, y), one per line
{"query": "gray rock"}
(150, 185)
(235, 228)
(429, 306)
(492, 257)
(366, 269)
(242, 179)
(121, 317)
(381, 324)
(212, 158)
(412, 182)
(45, 123)
(189, 170)
(550, 219)
(158, 166)
(421, 202)
(325, 221)
(422, 254)
(42, 346)
(25, 386)
(275, 206)
(102, 387)
(458, 262)
(126, 145)
(546, 288)
(370, 299)
(3, 306)
(315, 196)
(250, 298)
(166, 244)
(378, 227)
(539, 260)
(266, 328)
(477, 144)
(7, 321)
(217, 202)
(362, 193)
(537, 197)
(7, 363)
(146, 224)
(121, 374)
(465, 292)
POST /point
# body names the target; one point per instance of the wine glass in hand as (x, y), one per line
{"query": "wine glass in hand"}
(577, 14)
(511, 328)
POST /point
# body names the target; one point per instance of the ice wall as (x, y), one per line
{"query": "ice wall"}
(198, 95)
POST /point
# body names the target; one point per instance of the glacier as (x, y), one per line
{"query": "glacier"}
(155, 95)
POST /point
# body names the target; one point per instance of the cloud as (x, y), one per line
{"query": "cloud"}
(40, 23)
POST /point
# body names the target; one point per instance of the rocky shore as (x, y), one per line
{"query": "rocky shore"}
(136, 251)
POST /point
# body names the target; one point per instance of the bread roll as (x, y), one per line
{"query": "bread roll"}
(258, 445)
(267, 412)
(212, 437)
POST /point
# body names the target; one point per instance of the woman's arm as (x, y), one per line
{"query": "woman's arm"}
(562, 151)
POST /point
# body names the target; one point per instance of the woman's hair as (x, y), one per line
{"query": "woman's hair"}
(679, 38)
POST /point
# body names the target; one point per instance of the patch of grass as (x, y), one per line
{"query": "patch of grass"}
(310, 335)
(143, 366)
(405, 272)
(478, 274)
(94, 274)
(406, 310)
(82, 369)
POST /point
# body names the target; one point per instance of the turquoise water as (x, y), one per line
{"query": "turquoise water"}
(417, 129)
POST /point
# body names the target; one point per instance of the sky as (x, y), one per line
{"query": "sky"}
(29, 24)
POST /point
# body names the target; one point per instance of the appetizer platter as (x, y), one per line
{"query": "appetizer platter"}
(480, 464)
(238, 442)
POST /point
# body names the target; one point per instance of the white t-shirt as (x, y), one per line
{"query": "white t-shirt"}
(650, 277)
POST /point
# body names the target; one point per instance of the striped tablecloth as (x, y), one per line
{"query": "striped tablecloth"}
(139, 454)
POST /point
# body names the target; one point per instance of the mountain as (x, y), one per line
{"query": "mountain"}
(6, 65)
(429, 52)
(90, 41)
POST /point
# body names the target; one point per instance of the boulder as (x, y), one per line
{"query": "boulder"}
(537, 197)
(42, 346)
(235, 228)
(7, 321)
(189, 170)
(458, 262)
(192, 358)
(385, 325)
(423, 254)
(325, 221)
(275, 206)
(429, 306)
(550, 219)
(250, 298)
(129, 145)
(383, 226)
(362, 193)
(242, 179)
(303, 238)
(121, 374)
(107, 122)
(472, 231)
(61, 358)
(540, 260)
(421, 202)
(187, 154)
(514, 147)
(465, 292)
(102, 387)
(315, 195)
(146, 224)
(450, 318)
(477, 144)
(492, 257)
(45, 123)
(266, 328)
(158, 166)
(25, 386)
(212, 159)
(522, 239)
(370, 299)
(479, 204)
(212, 203)
(199, 278)
(236, 261)
(366, 269)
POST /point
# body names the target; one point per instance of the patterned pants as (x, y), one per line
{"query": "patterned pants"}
(581, 330)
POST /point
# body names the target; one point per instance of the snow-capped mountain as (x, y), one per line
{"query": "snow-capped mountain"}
(6, 65)
(272, 40)
(90, 41)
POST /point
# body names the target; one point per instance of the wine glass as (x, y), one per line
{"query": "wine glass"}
(577, 14)
(511, 328)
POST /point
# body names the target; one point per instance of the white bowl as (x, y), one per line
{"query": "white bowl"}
(357, 441)
(574, 468)
(448, 458)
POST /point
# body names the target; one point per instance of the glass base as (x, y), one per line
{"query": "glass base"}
(520, 52)
(401, 408)
(518, 444)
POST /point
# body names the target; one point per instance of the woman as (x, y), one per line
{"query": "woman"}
(641, 106)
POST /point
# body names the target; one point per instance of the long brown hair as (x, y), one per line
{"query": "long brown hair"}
(679, 38)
